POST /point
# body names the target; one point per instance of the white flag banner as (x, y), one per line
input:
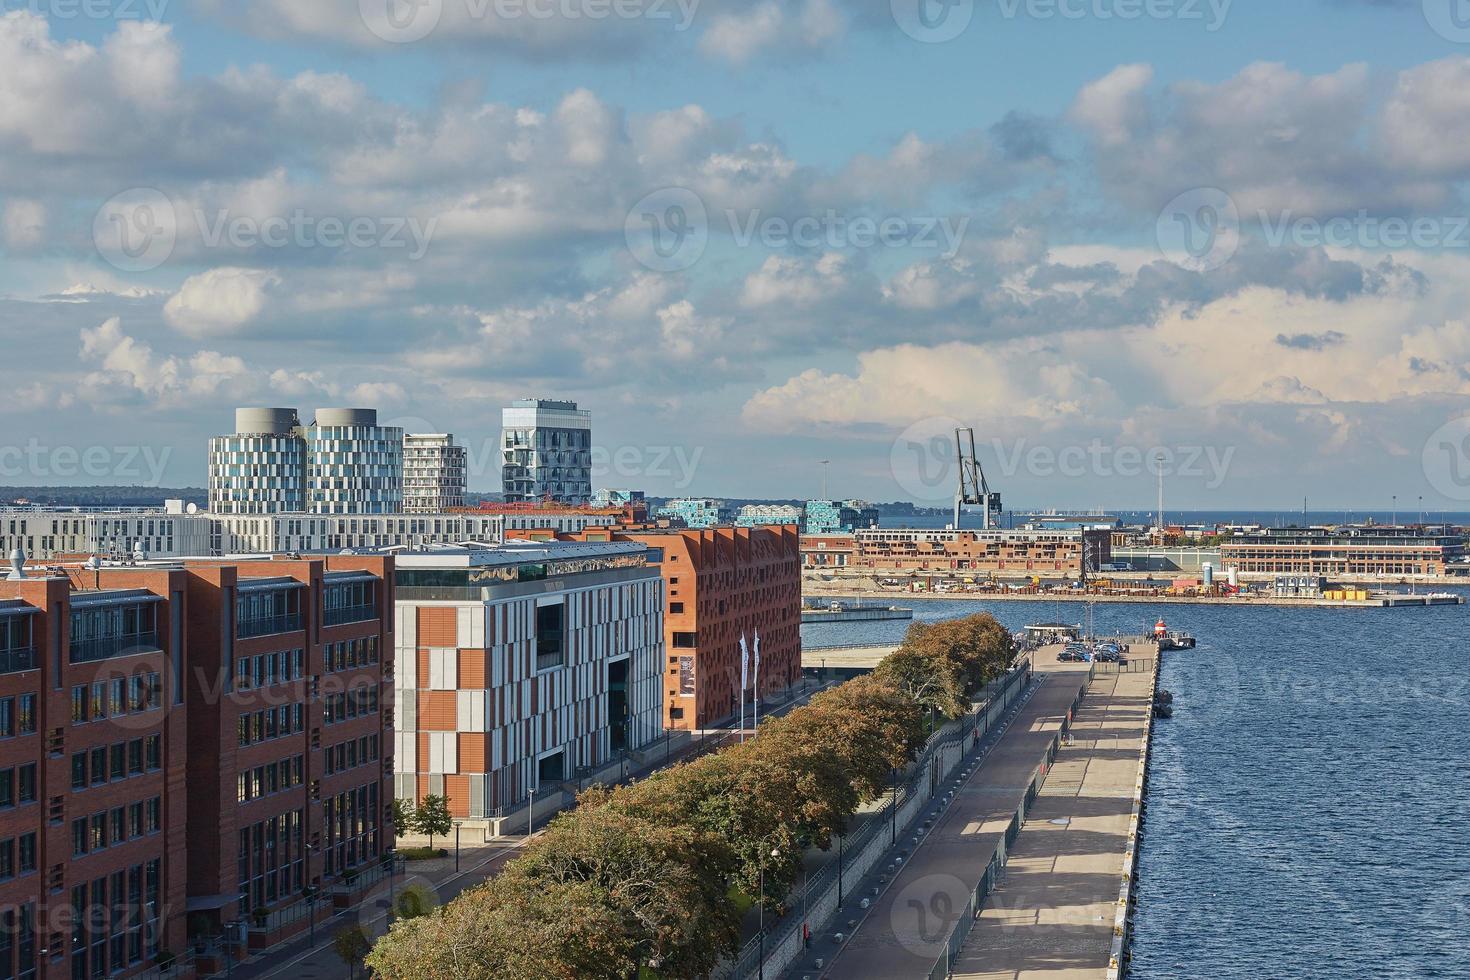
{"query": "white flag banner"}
(757, 663)
(744, 665)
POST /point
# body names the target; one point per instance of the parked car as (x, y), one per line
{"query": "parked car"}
(1069, 657)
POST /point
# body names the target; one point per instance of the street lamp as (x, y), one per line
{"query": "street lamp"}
(530, 815)
(761, 969)
(310, 893)
(456, 846)
(894, 806)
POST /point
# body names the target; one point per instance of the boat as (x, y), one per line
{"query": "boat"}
(1171, 639)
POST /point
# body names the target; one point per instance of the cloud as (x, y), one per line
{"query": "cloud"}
(219, 301)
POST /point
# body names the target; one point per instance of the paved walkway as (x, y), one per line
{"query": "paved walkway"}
(908, 925)
(1052, 916)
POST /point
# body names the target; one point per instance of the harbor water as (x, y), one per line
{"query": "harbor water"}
(1309, 803)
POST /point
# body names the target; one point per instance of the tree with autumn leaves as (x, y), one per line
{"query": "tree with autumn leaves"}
(642, 880)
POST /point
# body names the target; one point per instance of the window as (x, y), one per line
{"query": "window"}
(675, 608)
(79, 770)
(686, 641)
(28, 783)
(99, 765)
(135, 757)
(153, 751)
(7, 717)
(550, 636)
(79, 704)
(79, 837)
(119, 761)
(26, 718)
(27, 853)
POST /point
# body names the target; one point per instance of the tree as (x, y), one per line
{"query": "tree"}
(413, 902)
(351, 945)
(401, 812)
(433, 817)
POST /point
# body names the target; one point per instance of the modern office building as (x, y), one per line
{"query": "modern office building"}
(695, 512)
(343, 462)
(1369, 551)
(353, 465)
(519, 667)
(169, 751)
(433, 474)
(765, 515)
(546, 452)
(261, 468)
(722, 584)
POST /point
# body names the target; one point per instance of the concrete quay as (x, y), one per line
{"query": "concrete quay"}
(1056, 888)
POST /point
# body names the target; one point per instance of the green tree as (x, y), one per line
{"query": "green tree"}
(403, 815)
(351, 945)
(414, 901)
(433, 818)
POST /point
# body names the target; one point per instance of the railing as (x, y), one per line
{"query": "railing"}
(17, 659)
(108, 647)
(943, 967)
(268, 625)
(857, 854)
(349, 614)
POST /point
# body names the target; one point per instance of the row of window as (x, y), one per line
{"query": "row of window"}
(18, 716)
(269, 723)
(117, 761)
(18, 942)
(352, 822)
(274, 777)
(116, 826)
(17, 856)
(17, 785)
(350, 704)
(347, 654)
(351, 753)
(117, 930)
(269, 668)
(117, 697)
(272, 858)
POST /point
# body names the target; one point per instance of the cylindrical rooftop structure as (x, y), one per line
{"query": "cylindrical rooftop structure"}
(265, 421)
(346, 417)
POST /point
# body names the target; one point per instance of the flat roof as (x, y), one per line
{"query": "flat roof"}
(515, 553)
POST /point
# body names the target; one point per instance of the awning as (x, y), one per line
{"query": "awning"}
(17, 608)
(208, 903)
(273, 584)
(104, 600)
(341, 578)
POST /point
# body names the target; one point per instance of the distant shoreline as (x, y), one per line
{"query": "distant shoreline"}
(893, 598)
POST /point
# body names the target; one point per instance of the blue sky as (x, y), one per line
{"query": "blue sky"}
(1110, 239)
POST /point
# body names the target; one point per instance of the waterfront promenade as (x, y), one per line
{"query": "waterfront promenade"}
(907, 926)
(1053, 915)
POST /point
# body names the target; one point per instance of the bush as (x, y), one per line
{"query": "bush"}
(422, 853)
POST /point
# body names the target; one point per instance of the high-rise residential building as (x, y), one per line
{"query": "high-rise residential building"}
(696, 512)
(170, 740)
(837, 516)
(343, 462)
(433, 474)
(353, 465)
(521, 666)
(546, 452)
(261, 468)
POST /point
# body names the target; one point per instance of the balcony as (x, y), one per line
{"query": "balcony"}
(108, 647)
(17, 659)
(350, 614)
(268, 625)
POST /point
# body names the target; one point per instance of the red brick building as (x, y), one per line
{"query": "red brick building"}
(133, 793)
(722, 583)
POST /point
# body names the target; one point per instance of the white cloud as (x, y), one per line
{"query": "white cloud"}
(219, 301)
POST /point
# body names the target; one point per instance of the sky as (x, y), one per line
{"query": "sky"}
(775, 246)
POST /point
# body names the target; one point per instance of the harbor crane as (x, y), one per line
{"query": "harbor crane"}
(973, 489)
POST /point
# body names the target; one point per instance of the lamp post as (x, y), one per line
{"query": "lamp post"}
(457, 825)
(839, 870)
(310, 892)
(894, 806)
(530, 816)
(761, 968)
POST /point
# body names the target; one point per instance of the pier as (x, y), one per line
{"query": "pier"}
(840, 612)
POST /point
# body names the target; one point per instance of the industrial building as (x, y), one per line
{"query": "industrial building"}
(521, 666)
(1344, 552)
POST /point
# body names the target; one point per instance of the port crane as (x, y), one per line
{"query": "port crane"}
(973, 489)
